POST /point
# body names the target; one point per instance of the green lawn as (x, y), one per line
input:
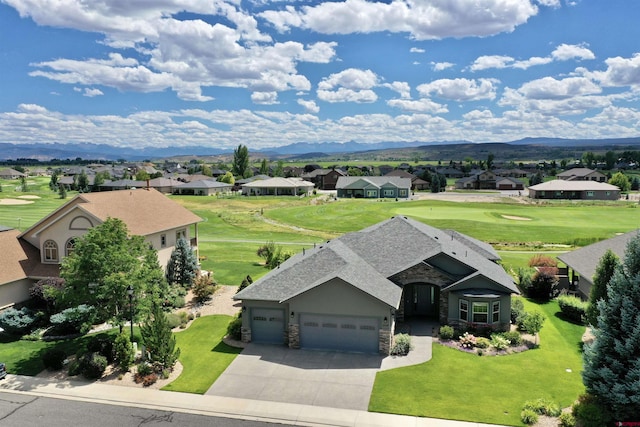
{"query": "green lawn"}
(203, 354)
(25, 357)
(467, 387)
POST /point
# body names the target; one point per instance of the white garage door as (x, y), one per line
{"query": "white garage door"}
(267, 325)
(344, 333)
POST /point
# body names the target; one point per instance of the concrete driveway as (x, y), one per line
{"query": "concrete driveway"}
(319, 378)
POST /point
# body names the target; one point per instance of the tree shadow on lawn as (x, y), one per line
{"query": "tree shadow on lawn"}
(221, 347)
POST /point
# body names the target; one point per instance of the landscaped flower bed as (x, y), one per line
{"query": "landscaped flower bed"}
(498, 343)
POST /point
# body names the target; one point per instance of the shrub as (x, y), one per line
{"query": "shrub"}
(17, 322)
(514, 337)
(543, 407)
(567, 420)
(528, 416)
(543, 285)
(573, 308)
(499, 342)
(446, 332)
(591, 413)
(517, 308)
(93, 365)
(173, 320)
(74, 320)
(467, 340)
(75, 368)
(540, 260)
(144, 369)
(524, 279)
(245, 282)
(101, 345)
(123, 351)
(53, 359)
(483, 342)
(401, 345)
(235, 328)
(203, 288)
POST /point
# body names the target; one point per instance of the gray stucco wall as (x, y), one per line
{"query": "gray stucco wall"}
(339, 298)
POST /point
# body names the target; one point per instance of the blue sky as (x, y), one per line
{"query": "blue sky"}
(269, 73)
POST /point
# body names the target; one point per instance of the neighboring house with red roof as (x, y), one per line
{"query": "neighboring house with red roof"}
(38, 252)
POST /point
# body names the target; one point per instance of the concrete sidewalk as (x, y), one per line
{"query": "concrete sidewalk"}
(284, 413)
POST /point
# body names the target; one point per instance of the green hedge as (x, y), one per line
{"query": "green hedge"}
(573, 308)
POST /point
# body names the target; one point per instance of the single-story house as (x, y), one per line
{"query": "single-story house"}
(38, 252)
(582, 174)
(508, 183)
(277, 187)
(205, 187)
(583, 262)
(349, 293)
(373, 187)
(574, 190)
(11, 174)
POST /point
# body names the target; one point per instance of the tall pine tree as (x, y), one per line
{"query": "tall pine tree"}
(183, 265)
(604, 272)
(159, 340)
(612, 361)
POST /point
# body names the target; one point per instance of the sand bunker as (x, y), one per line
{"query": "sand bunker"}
(14, 202)
(28, 196)
(515, 218)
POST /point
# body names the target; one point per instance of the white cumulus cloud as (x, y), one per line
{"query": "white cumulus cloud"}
(460, 89)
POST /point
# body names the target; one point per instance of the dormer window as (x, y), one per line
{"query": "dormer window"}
(50, 251)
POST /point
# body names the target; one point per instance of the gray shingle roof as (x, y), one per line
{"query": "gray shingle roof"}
(586, 259)
(367, 258)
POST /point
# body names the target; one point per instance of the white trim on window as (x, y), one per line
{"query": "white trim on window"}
(495, 312)
(463, 309)
(480, 312)
(50, 249)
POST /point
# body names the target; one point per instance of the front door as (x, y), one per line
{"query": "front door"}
(421, 299)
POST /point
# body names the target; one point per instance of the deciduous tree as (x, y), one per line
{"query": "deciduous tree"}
(240, 166)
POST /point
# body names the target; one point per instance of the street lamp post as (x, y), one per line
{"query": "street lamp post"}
(130, 293)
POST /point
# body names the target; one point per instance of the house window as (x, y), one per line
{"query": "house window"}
(181, 235)
(495, 312)
(69, 247)
(388, 193)
(589, 193)
(50, 251)
(163, 240)
(372, 193)
(464, 310)
(403, 193)
(480, 312)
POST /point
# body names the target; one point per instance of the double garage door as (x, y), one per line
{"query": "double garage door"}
(344, 333)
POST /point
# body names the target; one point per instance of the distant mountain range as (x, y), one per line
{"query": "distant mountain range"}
(301, 150)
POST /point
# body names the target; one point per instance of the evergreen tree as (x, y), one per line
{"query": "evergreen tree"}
(279, 169)
(183, 265)
(604, 272)
(83, 182)
(240, 166)
(53, 182)
(264, 167)
(635, 184)
(62, 191)
(159, 340)
(611, 363)
(23, 184)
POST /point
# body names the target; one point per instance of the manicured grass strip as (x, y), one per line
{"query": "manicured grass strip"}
(467, 387)
(203, 354)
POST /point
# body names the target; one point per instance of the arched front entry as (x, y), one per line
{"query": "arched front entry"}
(421, 299)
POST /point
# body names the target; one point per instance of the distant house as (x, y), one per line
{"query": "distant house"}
(277, 187)
(582, 174)
(38, 252)
(480, 180)
(508, 183)
(373, 187)
(513, 173)
(324, 179)
(205, 187)
(583, 262)
(416, 183)
(574, 190)
(240, 182)
(122, 184)
(164, 185)
(11, 174)
(450, 172)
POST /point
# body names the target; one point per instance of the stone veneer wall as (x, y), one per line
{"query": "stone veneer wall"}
(294, 335)
(384, 341)
(444, 308)
(245, 334)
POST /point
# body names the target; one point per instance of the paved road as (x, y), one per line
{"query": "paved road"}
(26, 411)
